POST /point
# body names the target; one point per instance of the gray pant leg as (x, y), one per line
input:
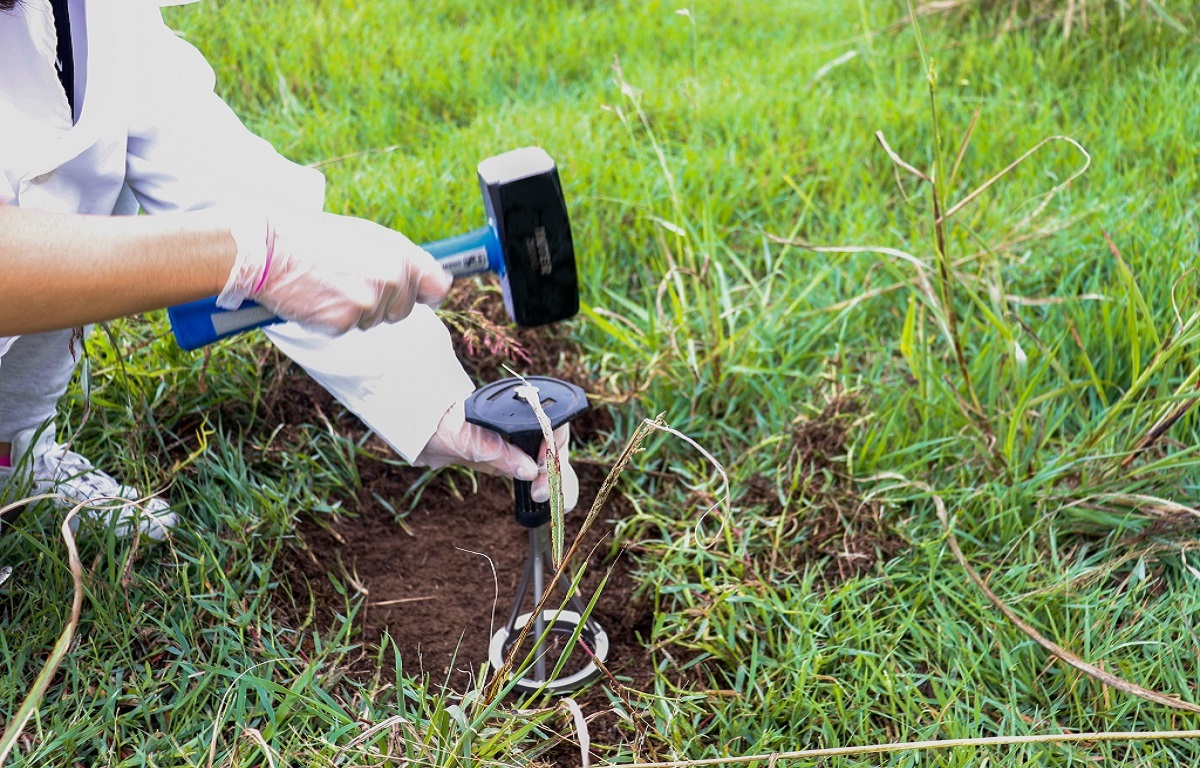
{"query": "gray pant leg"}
(34, 374)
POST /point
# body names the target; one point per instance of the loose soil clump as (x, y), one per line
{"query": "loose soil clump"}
(827, 519)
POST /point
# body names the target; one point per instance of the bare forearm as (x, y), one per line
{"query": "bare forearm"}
(60, 271)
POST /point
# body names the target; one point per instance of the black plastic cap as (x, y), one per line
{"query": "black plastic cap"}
(498, 407)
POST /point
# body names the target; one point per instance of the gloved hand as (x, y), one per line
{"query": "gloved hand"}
(467, 445)
(331, 273)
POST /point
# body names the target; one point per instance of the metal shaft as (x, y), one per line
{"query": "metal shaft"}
(537, 546)
(519, 601)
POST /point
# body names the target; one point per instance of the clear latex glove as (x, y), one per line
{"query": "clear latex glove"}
(467, 445)
(331, 273)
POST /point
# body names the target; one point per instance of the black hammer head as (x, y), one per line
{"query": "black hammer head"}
(525, 207)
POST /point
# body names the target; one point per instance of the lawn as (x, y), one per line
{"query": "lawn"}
(910, 292)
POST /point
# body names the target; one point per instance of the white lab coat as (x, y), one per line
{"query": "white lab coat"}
(151, 131)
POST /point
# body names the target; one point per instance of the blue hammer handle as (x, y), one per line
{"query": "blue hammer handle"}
(200, 323)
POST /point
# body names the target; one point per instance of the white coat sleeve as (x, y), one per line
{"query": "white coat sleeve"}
(188, 151)
(397, 378)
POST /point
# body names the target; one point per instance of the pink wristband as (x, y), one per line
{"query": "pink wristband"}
(267, 263)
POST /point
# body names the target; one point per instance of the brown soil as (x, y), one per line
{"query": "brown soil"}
(433, 563)
(440, 577)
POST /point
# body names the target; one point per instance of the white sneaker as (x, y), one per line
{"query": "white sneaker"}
(47, 467)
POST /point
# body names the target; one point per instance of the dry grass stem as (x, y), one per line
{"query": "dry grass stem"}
(773, 758)
(34, 697)
(403, 600)
(1063, 654)
(1047, 196)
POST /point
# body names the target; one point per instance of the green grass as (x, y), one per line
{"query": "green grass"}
(689, 146)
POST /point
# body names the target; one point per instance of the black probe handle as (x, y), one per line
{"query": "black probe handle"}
(530, 513)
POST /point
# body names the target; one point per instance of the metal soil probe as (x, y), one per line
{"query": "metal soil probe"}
(499, 408)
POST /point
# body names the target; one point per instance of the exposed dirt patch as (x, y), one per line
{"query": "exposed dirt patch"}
(440, 577)
(434, 563)
(827, 517)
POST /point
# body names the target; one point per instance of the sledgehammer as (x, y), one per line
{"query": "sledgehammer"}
(527, 243)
